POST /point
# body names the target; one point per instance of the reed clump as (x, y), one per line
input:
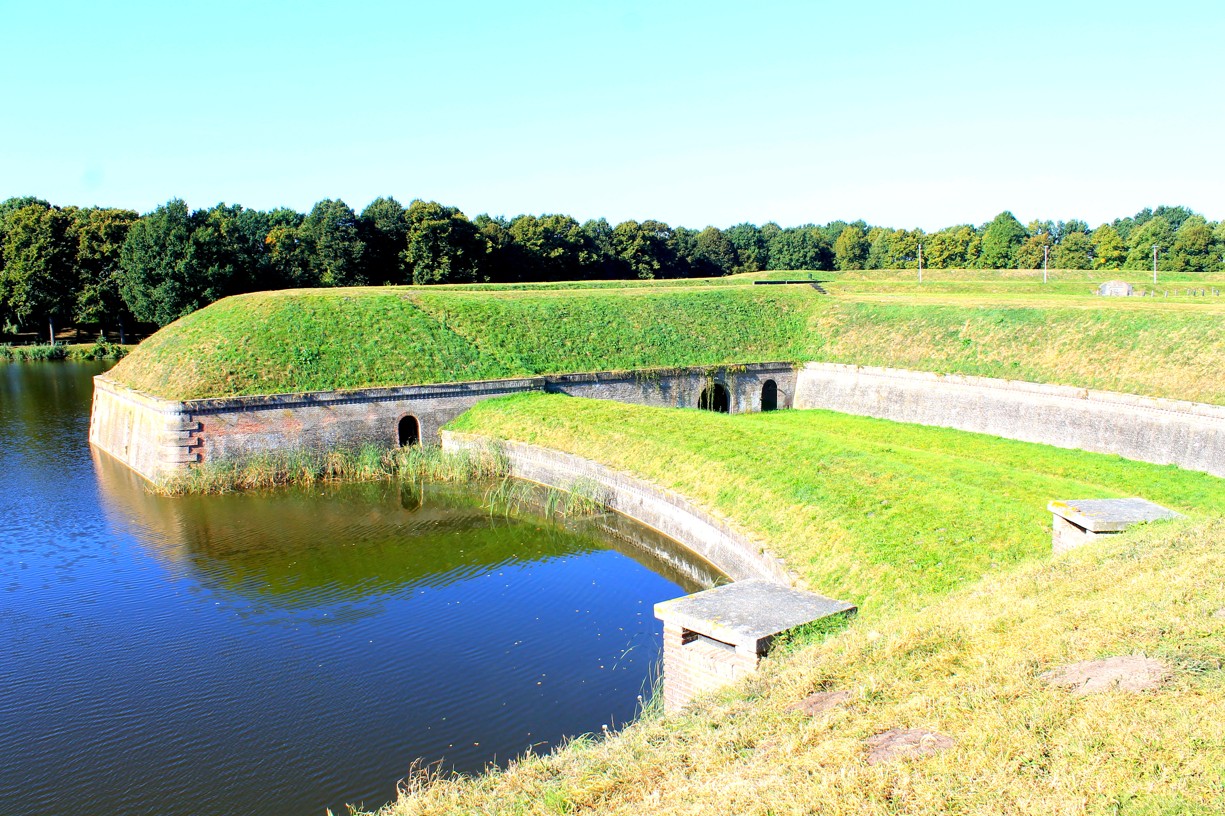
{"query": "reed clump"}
(98, 350)
(364, 464)
(510, 496)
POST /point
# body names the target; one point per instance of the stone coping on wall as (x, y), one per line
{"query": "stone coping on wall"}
(698, 530)
(509, 385)
(159, 404)
(1069, 392)
(648, 374)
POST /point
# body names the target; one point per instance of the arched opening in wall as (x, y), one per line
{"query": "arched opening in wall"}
(769, 396)
(409, 431)
(715, 398)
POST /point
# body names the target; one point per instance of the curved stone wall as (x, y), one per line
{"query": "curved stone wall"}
(670, 513)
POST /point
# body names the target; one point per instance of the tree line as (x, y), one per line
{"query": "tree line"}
(113, 268)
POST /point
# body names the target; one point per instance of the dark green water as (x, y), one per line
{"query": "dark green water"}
(283, 652)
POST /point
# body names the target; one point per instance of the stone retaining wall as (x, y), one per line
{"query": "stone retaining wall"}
(702, 533)
(157, 437)
(1190, 435)
(681, 388)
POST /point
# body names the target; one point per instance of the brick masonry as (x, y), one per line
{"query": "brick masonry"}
(157, 437)
(694, 665)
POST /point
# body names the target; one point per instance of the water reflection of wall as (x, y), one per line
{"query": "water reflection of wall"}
(306, 546)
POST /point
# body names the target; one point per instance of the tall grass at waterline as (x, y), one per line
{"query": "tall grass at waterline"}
(99, 350)
(867, 510)
(368, 463)
(510, 496)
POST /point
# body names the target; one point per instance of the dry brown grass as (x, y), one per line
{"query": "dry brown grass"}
(968, 667)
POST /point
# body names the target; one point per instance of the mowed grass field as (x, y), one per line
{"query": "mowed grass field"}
(943, 538)
(992, 324)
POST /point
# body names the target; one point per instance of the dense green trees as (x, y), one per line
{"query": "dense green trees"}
(383, 229)
(443, 245)
(100, 237)
(111, 267)
(37, 282)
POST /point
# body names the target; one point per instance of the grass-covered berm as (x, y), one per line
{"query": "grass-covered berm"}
(994, 325)
(316, 340)
(875, 512)
(943, 537)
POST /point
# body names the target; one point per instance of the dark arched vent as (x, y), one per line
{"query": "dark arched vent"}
(715, 398)
(409, 431)
(769, 396)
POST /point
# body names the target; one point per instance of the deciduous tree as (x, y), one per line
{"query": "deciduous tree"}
(100, 237)
(714, 252)
(1074, 251)
(333, 244)
(443, 245)
(383, 228)
(39, 274)
(1192, 248)
(750, 246)
(1109, 251)
(1154, 232)
(1001, 238)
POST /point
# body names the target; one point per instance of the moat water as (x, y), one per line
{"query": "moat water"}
(293, 650)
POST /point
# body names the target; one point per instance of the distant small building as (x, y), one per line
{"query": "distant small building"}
(1115, 288)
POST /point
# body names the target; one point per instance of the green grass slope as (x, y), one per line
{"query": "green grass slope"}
(311, 340)
(875, 512)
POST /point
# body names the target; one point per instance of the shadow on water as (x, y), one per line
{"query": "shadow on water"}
(266, 544)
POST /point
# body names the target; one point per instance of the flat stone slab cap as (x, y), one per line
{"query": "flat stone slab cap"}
(748, 613)
(1110, 515)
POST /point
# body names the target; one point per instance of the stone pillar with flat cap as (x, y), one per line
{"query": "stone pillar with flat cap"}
(1076, 522)
(715, 637)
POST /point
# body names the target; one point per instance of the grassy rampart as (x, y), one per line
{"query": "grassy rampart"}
(318, 340)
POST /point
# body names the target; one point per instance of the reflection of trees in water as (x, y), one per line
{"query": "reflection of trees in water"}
(302, 547)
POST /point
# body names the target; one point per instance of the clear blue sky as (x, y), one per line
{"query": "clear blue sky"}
(903, 114)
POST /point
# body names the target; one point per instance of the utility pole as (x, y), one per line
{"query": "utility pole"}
(920, 263)
(1155, 264)
(1045, 255)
